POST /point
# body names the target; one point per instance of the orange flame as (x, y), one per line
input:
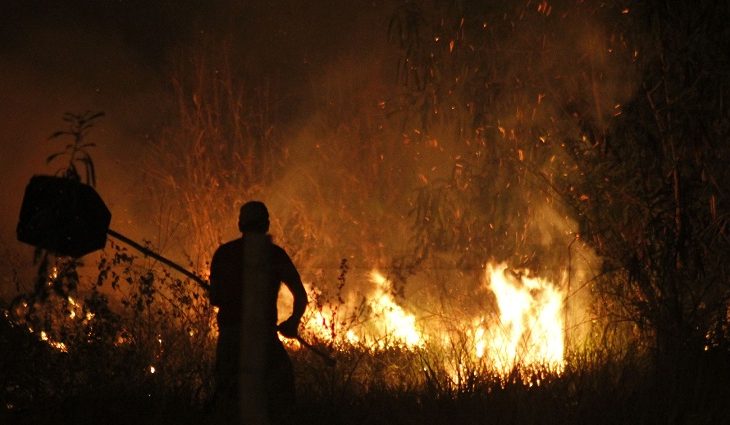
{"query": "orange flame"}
(527, 330)
(530, 328)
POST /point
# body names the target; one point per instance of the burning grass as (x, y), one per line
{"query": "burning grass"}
(145, 356)
(396, 385)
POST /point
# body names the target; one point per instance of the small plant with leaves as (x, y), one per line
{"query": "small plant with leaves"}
(78, 128)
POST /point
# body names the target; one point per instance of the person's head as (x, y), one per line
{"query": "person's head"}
(254, 218)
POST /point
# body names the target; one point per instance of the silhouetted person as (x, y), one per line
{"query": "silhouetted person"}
(253, 373)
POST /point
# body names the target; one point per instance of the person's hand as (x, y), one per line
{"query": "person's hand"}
(289, 328)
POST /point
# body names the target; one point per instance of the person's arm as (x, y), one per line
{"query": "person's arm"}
(300, 297)
(292, 280)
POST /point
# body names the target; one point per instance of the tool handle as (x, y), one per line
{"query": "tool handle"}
(329, 360)
(148, 252)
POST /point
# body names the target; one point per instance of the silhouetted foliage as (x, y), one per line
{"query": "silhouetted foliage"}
(79, 126)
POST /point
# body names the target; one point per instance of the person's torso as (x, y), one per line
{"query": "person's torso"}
(230, 281)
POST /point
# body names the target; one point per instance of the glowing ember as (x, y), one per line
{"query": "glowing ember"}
(60, 346)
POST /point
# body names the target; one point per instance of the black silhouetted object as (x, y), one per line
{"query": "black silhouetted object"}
(63, 215)
(66, 217)
(253, 372)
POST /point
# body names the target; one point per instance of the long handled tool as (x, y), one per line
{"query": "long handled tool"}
(69, 218)
(148, 252)
(328, 360)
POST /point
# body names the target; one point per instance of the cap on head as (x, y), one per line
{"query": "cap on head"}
(254, 217)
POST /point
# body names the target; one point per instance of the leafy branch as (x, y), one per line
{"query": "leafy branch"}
(79, 126)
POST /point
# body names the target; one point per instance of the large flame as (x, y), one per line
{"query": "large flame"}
(526, 330)
(387, 324)
(530, 328)
(392, 322)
